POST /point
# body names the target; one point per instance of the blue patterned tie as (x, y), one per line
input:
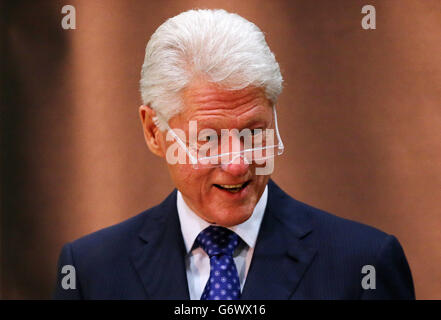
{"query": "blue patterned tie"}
(219, 243)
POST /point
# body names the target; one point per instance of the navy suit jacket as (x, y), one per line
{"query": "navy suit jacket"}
(301, 253)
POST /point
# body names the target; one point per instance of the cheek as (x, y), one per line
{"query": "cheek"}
(188, 179)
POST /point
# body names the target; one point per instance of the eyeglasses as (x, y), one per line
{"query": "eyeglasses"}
(209, 151)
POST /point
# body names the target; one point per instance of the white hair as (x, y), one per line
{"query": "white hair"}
(222, 47)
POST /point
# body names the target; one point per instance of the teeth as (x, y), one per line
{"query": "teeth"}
(231, 186)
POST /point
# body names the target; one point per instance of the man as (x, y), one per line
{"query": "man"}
(209, 85)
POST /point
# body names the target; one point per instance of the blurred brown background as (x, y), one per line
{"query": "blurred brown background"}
(360, 116)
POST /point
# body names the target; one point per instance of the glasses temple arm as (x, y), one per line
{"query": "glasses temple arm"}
(280, 145)
(181, 144)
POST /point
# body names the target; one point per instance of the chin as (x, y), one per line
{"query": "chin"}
(229, 219)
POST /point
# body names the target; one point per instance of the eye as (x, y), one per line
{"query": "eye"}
(211, 137)
(257, 131)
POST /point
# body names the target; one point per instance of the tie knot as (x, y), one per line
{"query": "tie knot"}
(216, 240)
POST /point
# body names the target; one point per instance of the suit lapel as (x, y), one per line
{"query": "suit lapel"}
(280, 257)
(160, 258)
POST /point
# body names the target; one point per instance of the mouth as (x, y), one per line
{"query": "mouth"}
(233, 188)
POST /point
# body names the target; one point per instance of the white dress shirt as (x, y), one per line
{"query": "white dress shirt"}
(197, 261)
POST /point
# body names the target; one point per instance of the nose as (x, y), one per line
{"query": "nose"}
(237, 167)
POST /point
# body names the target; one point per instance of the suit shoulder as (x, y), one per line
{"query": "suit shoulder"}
(325, 226)
(114, 238)
(335, 233)
(303, 215)
(329, 222)
(114, 243)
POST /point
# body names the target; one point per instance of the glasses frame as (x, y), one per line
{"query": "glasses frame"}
(194, 160)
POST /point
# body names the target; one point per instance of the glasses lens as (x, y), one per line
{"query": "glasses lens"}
(247, 146)
(256, 155)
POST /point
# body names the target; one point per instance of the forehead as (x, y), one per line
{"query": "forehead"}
(214, 106)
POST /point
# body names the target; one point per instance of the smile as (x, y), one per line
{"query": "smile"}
(233, 188)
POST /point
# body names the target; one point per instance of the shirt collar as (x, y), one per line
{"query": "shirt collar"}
(192, 224)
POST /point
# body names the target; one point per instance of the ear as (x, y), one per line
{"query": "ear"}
(152, 134)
